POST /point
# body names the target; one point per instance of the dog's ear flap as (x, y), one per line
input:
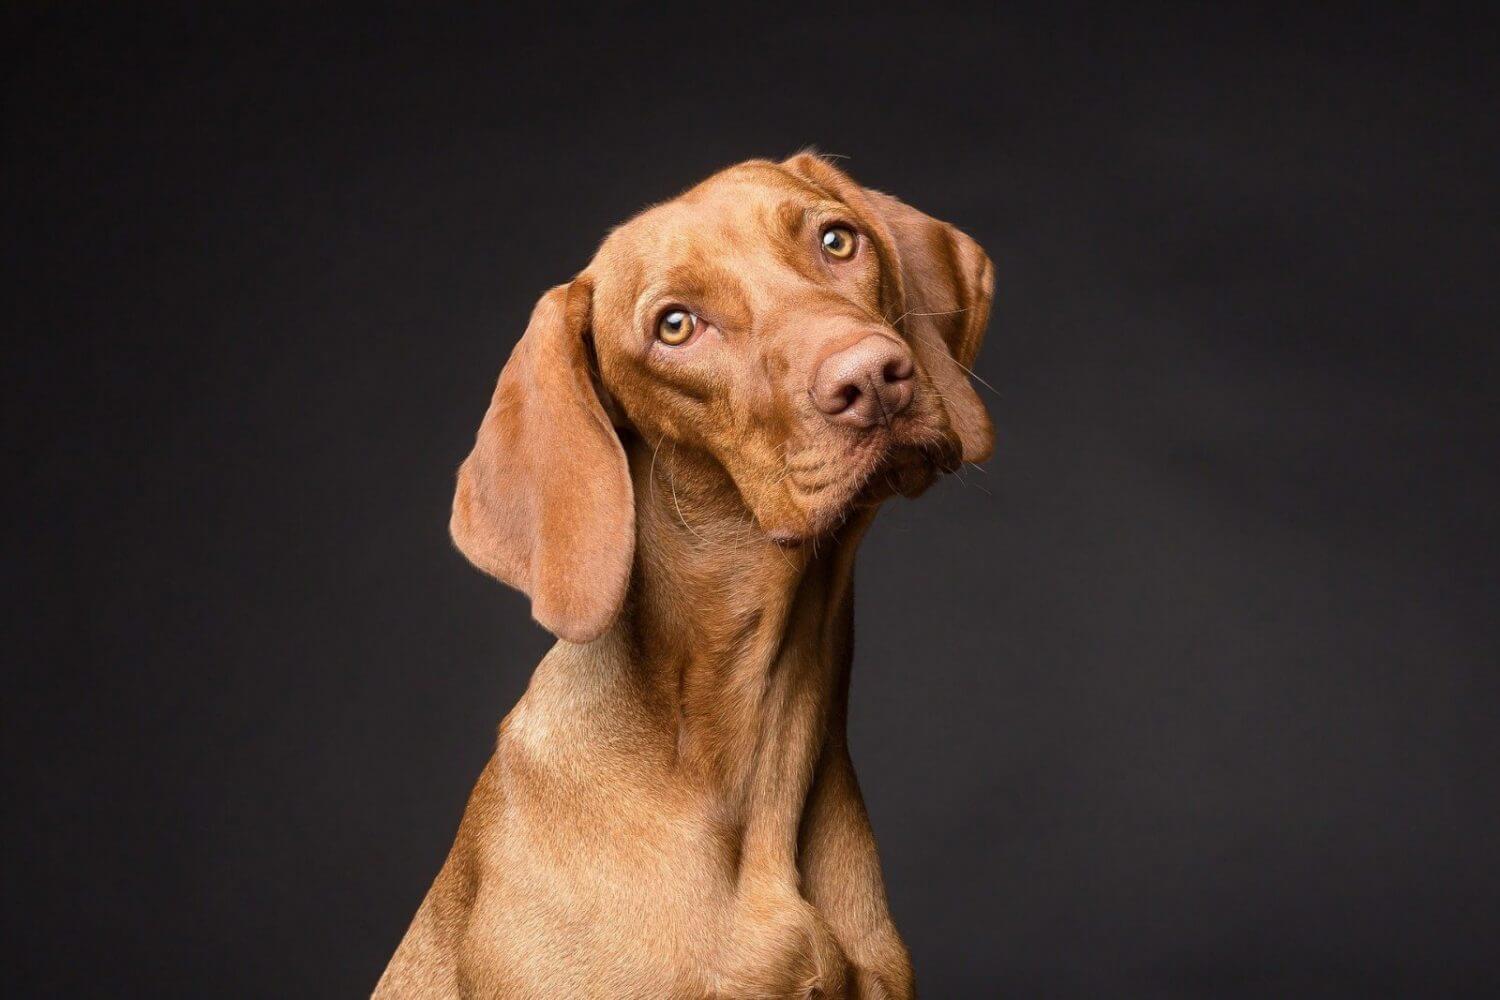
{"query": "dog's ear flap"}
(544, 500)
(942, 288)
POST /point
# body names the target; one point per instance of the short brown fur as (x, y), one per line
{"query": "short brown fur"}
(671, 811)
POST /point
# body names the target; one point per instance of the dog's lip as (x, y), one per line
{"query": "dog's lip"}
(915, 460)
(933, 446)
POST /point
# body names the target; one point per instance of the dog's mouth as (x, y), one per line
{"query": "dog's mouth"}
(908, 471)
(908, 468)
(903, 461)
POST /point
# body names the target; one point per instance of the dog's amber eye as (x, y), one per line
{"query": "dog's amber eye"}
(676, 327)
(838, 242)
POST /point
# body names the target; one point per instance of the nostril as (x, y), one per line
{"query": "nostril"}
(836, 396)
(897, 369)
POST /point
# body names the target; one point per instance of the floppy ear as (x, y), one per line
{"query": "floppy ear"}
(943, 284)
(544, 500)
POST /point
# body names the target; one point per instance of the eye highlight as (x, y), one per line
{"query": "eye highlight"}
(839, 242)
(676, 326)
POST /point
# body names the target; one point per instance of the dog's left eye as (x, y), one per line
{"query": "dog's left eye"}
(838, 241)
(676, 327)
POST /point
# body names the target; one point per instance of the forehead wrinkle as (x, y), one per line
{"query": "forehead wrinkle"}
(791, 217)
(759, 179)
(777, 174)
(754, 171)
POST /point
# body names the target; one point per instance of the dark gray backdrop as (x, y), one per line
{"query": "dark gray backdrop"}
(1192, 692)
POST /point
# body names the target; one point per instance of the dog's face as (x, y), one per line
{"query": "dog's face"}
(749, 320)
(804, 336)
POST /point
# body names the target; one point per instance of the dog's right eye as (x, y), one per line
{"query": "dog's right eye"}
(676, 327)
(839, 242)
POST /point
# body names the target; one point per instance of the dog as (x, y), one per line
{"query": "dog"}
(678, 462)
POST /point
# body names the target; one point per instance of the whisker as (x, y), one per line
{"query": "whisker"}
(672, 482)
(651, 473)
(942, 312)
(959, 475)
(913, 312)
(972, 374)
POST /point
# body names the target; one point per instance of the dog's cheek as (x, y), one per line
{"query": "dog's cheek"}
(758, 472)
(653, 408)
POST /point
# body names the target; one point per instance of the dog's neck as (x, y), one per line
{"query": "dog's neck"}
(743, 645)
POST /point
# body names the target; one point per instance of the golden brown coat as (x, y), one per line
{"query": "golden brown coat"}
(671, 811)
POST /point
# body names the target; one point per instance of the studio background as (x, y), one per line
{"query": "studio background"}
(1192, 692)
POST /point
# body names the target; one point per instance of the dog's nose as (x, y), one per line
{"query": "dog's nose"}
(864, 384)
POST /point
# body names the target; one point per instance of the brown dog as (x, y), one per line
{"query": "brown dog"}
(678, 463)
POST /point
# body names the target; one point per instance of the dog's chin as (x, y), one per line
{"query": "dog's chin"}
(900, 468)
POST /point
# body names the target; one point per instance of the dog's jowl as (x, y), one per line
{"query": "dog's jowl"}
(677, 465)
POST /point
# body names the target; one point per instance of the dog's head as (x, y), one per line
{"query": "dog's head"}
(806, 339)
